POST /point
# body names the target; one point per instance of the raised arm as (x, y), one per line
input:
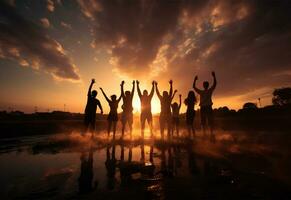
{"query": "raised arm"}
(180, 100)
(172, 97)
(133, 88)
(194, 85)
(107, 99)
(122, 90)
(90, 87)
(121, 85)
(153, 89)
(171, 88)
(157, 90)
(138, 89)
(214, 81)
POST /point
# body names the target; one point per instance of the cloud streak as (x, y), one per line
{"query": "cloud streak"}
(245, 41)
(28, 44)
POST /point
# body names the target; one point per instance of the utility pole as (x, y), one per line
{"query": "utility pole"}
(64, 107)
(259, 99)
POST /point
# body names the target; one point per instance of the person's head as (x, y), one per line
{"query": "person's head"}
(165, 94)
(113, 97)
(191, 96)
(205, 85)
(175, 105)
(94, 93)
(145, 92)
(127, 93)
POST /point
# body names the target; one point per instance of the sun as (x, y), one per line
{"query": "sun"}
(137, 107)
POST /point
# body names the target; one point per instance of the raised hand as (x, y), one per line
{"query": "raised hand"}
(213, 74)
(137, 82)
(122, 83)
(171, 82)
(153, 83)
(180, 96)
(175, 91)
(156, 83)
(133, 82)
(101, 88)
(196, 78)
(93, 80)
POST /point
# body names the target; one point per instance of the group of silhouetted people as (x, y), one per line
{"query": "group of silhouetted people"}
(169, 115)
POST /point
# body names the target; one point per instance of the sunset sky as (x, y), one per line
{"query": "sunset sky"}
(50, 49)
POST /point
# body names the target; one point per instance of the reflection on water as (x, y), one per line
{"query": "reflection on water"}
(237, 166)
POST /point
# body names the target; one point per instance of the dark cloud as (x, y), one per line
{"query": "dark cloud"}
(245, 41)
(28, 43)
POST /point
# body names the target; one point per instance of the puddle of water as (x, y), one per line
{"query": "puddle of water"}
(73, 166)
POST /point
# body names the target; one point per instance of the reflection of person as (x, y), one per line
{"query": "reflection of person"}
(192, 160)
(112, 116)
(142, 154)
(146, 112)
(91, 107)
(190, 102)
(175, 117)
(165, 115)
(206, 102)
(110, 165)
(127, 116)
(86, 175)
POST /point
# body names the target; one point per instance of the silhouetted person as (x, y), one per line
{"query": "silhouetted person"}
(113, 115)
(110, 165)
(127, 116)
(175, 116)
(190, 102)
(91, 107)
(206, 103)
(165, 115)
(86, 174)
(146, 111)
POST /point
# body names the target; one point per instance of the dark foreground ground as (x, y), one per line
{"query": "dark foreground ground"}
(236, 165)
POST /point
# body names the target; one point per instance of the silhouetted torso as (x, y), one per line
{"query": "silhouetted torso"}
(190, 104)
(113, 107)
(91, 106)
(175, 110)
(166, 105)
(205, 97)
(145, 103)
(127, 104)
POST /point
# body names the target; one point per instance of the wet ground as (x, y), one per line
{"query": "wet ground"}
(236, 165)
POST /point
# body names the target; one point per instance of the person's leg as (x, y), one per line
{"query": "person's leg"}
(193, 130)
(142, 122)
(114, 128)
(203, 120)
(150, 123)
(169, 127)
(93, 126)
(123, 124)
(122, 129)
(109, 128)
(130, 122)
(86, 126)
(211, 123)
(177, 127)
(162, 127)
